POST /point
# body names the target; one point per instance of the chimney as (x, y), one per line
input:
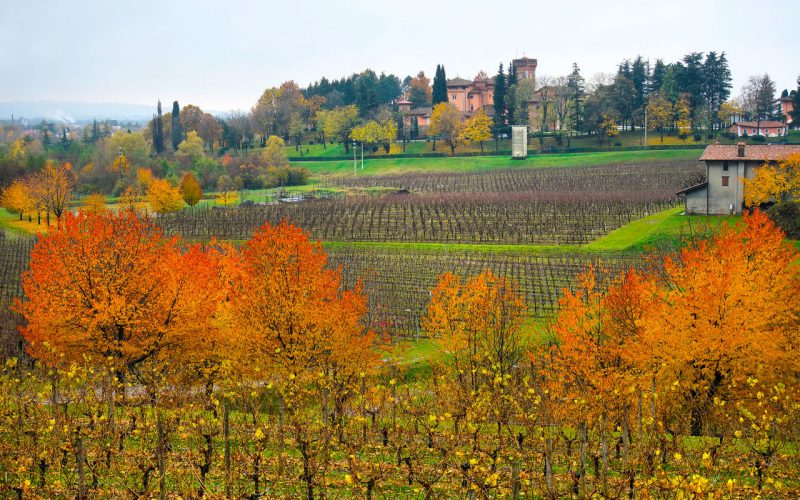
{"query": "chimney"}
(740, 150)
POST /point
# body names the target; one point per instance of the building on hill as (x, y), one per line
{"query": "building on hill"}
(525, 68)
(767, 128)
(422, 115)
(787, 106)
(469, 96)
(722, 192)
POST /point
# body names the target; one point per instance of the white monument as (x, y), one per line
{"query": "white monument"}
(519, 142)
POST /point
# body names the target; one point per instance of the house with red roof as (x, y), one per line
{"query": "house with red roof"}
(726, 166)
(767, 128)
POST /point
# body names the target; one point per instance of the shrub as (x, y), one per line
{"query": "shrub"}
(617, 144)
(759, 138)
(710, 135)
(787, 217)
(682, 136)
(698, 137)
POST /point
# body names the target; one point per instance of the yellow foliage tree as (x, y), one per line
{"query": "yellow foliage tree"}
(18, 198)
(190, 190)
(163, 197)
(274, 154)
(192, 147)
(477, 128)
(446, 123)
(774, 182)
(94, 204)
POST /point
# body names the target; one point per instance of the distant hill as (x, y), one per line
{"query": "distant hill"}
(72, 112)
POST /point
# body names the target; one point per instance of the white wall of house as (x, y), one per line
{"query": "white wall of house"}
(725, 187)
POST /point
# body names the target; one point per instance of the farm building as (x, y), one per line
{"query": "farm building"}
(422, 115)
(726, 165)
(787, 107)
(766, 128)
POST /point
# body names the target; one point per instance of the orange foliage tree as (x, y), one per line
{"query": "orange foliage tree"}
(113, 288)
(296, 326)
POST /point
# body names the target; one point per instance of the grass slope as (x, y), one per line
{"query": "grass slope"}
(397, 166)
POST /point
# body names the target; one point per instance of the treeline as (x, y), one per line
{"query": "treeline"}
(168, 368)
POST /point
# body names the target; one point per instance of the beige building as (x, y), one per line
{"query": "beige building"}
(726, 166)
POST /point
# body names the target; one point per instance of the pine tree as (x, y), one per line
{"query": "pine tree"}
(575, 83)
(95, 135)
(656, 79)
(439, 85)
(511, 87)
(176, 134)
(499, 99)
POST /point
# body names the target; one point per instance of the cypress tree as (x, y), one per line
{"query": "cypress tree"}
(499, 99)
(439, 85)
(176, 134)
(158, 132)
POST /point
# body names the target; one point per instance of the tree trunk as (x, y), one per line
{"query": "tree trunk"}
(226, 433)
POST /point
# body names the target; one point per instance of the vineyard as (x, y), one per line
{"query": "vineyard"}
(14, 255)
(514, 218)
(660, 180)
(398, 283)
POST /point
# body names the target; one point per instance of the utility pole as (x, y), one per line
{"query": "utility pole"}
(645, 125)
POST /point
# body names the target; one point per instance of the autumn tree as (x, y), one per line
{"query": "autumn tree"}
(729, 111)
(729, 312)
(17, 198)
(53, 188)
(446, 123)
(778, 182)
(608, 127)
(477, 128)
(111, 286)
(659, 115)
(163, 197)
(293, 320)
(94, 203)
(226, 190)
(192, 146)
(338, 123)
(274, 153)
(419, 92)
(191, 118)
(190, 190)
(121, 167)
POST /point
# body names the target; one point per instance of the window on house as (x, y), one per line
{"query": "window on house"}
(724, 180)
(724, 166)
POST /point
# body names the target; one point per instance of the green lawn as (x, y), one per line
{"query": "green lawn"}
(396, 166)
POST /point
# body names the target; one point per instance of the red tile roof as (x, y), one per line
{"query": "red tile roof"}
(764, 124)
(752, 152)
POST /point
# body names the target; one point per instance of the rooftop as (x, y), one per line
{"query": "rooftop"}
(458, 82)
(764, 124)
(752, 152)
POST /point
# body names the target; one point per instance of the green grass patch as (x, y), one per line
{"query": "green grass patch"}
(395, 166)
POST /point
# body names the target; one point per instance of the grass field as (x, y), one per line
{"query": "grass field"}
(392, 166)
(625, 139)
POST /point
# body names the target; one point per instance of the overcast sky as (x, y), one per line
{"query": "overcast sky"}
(221, 55)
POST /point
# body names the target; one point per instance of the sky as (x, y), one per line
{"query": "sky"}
(221, 55)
